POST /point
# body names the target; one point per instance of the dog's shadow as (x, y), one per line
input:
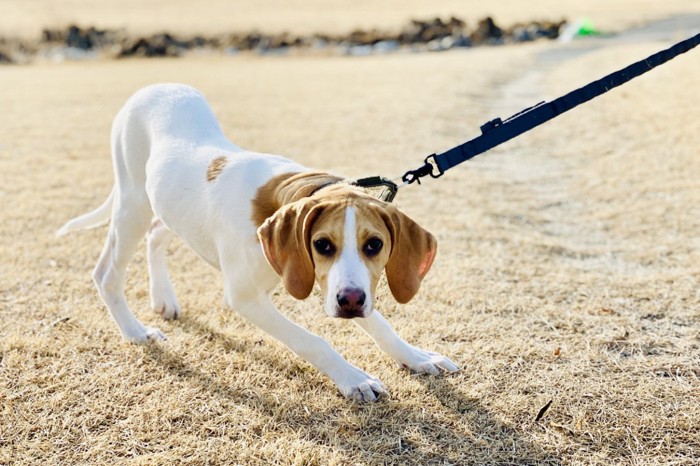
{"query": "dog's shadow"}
(406, 433)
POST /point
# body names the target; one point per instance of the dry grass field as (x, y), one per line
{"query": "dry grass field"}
(567, 270)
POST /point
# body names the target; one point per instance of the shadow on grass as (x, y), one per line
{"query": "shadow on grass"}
(388, 432)
(490, 441)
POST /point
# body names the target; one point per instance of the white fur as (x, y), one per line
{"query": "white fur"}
(163, 141)
(349, 270)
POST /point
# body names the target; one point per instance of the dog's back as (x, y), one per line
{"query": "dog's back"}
(160, 118)
(154, 117)
(172, 160)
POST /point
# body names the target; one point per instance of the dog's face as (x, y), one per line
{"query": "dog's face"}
(348, 251)
(344, 241)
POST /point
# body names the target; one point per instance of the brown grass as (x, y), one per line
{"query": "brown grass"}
(567, 271)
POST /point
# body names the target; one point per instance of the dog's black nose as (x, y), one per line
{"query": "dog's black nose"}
(350, 301)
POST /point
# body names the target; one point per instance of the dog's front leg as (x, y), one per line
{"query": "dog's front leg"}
(351, 381)
(415, 359)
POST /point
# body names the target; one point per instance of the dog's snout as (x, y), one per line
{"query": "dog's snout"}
(351, 302)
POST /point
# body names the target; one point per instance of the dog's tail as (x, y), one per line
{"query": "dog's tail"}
(94, 219)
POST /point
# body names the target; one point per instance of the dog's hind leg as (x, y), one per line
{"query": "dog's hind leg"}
(130, 219)
(163, 299)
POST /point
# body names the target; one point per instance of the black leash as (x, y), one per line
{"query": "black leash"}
(497, 131)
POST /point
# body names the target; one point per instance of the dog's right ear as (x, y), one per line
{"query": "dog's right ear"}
(412, 253)
(285, 238)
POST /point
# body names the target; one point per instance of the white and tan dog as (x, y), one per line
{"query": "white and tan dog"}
(257, 218)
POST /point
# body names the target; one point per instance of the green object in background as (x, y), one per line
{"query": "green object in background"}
(586, 28)
(582, 27)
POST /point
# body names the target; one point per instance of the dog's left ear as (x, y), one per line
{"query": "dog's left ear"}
(285, 239)
(412, 253)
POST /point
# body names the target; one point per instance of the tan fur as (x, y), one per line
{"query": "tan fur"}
(216, 166)
(286, 188)
(412, 254)
(285, 239)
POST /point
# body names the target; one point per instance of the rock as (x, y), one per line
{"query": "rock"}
(535, 30)
(521, 34)
(426, 31)
(78, 38)
(487, 32)
(386, 46)
(319, 42)
(462, 41)
(159, 45)
(361, 37)
(359, 50)
(5, 58)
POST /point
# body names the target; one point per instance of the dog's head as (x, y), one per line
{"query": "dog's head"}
(344, 239)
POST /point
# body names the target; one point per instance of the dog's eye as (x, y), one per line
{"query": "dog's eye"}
(372, 247)
(324, 247)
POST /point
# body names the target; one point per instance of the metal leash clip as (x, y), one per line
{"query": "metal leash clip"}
(389, 192)
(431, 168)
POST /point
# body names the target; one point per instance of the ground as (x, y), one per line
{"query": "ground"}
(567, 270)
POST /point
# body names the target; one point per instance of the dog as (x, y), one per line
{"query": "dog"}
(259, 219)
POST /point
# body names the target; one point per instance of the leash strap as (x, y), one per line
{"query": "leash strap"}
(497, 131)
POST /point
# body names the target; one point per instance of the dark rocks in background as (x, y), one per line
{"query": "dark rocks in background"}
(5, 52)
(360, 37)
(487, 32)
(157, 45)
(5, 58)
(451, 33)
(435, 29)
(535, 30)
(76, 37)
(15, 51)
(430, 35)
(249, 41)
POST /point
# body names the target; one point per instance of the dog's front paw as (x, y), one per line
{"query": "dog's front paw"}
(428, 362)
(357, 385)
(144, 334)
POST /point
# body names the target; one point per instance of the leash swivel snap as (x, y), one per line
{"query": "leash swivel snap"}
(431, 168)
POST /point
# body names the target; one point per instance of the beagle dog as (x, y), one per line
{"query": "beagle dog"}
(258, 218)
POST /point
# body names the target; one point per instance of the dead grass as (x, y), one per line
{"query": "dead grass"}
(568, 271)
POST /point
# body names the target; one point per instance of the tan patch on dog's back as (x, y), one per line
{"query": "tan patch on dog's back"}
(266, 202)
(216, 166)
(285, 188)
